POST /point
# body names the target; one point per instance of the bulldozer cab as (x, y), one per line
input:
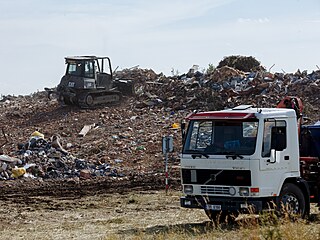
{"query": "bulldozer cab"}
(82, 68)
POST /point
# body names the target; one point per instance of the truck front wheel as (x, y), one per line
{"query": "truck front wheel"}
(292, 200)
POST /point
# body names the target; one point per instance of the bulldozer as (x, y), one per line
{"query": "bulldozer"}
(89, 82)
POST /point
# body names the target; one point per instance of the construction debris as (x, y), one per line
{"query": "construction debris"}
(86, 129)
(127, 142)
(48, 159)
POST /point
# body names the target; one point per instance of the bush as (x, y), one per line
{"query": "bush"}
(242, 63)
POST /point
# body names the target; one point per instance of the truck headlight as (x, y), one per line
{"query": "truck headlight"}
(188, 189)
(243, 191)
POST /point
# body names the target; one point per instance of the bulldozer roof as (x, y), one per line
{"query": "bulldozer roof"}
(79, 58)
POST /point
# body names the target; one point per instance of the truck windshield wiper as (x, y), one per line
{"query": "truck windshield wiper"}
(199, 154)
(233, 155)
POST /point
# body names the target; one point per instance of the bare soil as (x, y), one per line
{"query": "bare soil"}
(95, 216)
(136, 214)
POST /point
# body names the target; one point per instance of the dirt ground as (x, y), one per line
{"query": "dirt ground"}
(101, 216)
(139, 214)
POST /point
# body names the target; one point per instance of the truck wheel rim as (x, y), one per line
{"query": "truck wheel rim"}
(291, 204)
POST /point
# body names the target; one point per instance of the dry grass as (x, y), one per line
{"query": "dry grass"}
(250, 229)
(137, 215)
(267, 225)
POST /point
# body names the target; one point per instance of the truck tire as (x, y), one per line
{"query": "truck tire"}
(292, 200)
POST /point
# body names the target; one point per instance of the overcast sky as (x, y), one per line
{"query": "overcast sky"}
(163, 35)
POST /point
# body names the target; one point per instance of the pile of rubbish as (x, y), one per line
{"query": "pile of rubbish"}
(225, 87)
(126, 139)
(47, 159)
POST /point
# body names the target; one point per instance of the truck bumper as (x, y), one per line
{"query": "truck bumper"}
(224, 204)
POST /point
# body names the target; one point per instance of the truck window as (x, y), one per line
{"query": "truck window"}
(201, 135)
(221, 137)
(274, 137)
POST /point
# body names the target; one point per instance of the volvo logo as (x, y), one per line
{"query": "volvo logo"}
(213, 177)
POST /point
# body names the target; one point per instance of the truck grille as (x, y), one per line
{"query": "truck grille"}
(214, 190)
(216, 177)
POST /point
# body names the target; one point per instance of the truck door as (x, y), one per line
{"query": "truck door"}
(274, 153)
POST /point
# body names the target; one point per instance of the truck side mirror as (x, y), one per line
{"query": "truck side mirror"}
(183, 130)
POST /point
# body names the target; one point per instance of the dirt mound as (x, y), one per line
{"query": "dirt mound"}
(242, 63)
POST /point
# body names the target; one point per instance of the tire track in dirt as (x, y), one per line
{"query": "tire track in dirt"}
(77, 187)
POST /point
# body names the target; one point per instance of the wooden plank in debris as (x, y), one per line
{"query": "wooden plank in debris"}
(86, 129)
(8, 159)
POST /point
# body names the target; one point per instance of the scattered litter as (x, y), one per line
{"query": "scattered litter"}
(86, 129)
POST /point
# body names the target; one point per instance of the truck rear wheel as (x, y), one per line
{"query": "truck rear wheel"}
(292, 200)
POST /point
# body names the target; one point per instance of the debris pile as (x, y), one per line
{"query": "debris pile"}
(225, 87)
(125, 139)
(39, 158)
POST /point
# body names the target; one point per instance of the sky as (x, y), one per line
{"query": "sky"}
(166, 36)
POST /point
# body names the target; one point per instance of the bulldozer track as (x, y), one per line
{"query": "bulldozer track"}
(98, 98)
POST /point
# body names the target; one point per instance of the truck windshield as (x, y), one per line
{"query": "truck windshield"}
(221, 137)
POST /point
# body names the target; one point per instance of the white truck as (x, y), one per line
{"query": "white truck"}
(250, 159)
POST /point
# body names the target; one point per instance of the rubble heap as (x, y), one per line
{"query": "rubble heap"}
(125, 140)
(48, 159)
(225, 87)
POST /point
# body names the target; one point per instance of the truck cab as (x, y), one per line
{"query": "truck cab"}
(243, 159)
